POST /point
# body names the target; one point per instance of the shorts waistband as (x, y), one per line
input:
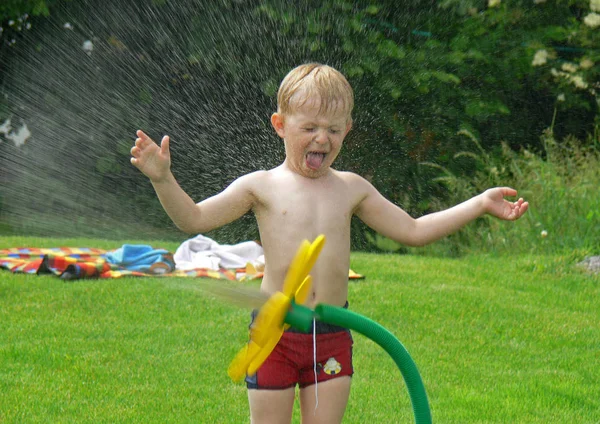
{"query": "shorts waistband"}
(321, 327)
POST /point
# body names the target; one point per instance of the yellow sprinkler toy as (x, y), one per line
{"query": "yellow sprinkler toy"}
(269, 324)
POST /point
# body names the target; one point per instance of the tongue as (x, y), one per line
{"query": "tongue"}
(314, 160)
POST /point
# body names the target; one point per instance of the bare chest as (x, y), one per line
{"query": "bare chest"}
(318, 207)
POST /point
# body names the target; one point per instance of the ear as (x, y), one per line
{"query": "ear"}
(278, 124)
(348, 125)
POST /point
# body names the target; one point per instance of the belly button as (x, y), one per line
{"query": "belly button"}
(283, 212)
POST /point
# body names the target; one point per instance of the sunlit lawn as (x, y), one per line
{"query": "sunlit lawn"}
(496, 339)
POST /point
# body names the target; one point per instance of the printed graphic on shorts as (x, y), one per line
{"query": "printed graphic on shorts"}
(332, 367)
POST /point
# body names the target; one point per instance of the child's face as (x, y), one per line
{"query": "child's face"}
(312, 139)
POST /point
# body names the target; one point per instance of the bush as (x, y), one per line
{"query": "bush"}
(560, 183)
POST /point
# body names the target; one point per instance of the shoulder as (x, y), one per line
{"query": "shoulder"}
(352, 179)
(253, 176)
(260, 183)
(246, 185)
(358, 188)
(251, 180)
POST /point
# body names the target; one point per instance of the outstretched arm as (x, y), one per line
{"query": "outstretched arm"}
(391, 221)
(216, 211)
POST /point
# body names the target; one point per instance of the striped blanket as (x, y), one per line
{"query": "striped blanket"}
(70, 263)
(77, 263)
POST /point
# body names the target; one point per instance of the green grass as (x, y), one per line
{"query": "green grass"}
(497, 339)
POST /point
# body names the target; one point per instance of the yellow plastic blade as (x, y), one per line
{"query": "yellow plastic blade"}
(303, 291)
(264, 335)
(270, 318)
(264, 353)
(312, 254)
(302, 263)
(294, 275)
(239, 364)
(301, 295)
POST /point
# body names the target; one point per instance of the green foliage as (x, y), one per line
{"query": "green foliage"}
(15, 19)
(14, 9)
(536, 55)
(560, 183)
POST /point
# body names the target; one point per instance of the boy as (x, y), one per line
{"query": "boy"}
(300, 199)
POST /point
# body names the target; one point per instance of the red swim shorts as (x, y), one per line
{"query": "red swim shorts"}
(292, 360)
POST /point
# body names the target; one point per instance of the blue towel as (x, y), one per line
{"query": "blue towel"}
(139, 257)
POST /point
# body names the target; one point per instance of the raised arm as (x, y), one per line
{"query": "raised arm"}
(216, 211)
(391, 221)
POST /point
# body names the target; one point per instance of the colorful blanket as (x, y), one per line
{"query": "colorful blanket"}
(70, 263)
(76, 263)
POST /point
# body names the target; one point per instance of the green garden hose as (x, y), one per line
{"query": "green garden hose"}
(301, 317)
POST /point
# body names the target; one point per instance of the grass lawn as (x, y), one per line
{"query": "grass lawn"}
(496, 339)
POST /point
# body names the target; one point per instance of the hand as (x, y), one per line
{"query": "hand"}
(496, 205)
(148, 157)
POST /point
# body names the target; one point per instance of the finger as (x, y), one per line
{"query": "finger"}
(136, 151)
(164, 144)
(520, 210)
(145, 140)
(507, 191)
(141, 134)
(142, 143)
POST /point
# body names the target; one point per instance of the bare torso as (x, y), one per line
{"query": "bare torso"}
(290, 208)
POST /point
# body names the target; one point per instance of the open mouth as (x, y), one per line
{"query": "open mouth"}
(314, 160)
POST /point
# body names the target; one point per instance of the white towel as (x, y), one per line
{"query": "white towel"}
(203, 252)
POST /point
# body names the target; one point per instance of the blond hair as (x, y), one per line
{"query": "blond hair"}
(315, 80)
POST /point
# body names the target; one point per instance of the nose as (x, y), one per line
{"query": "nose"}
(321, 137)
